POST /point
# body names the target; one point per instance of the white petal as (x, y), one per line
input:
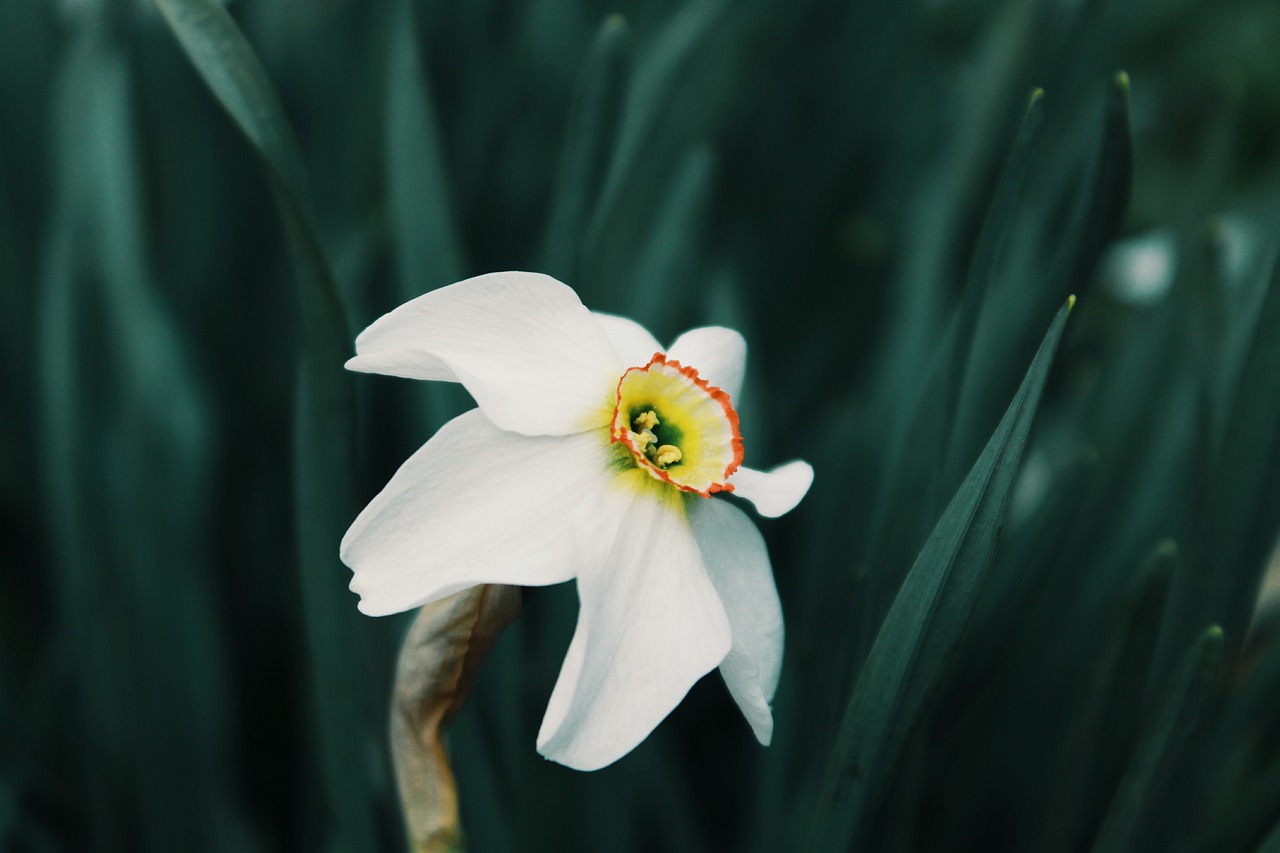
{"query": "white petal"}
(521, 343)
(718, 354)
(566, 685)
(738, 563)
(651, 625)
(477, 504)
(775, 492)
(633, 343)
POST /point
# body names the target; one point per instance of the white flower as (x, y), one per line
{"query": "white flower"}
(593, 455)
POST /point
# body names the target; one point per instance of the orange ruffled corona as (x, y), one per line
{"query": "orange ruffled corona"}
(679, 428)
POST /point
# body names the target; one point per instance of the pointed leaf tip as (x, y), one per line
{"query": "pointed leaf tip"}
(926, 624)
(1171, 733)
(1071, 303)
(1122, 82)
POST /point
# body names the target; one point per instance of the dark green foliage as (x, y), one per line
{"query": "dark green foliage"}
(929, 616)
(1028, 604)
(1165, 737)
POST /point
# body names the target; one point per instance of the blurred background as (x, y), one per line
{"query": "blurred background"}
(199, 209)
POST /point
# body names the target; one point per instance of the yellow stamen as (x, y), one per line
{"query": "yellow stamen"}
(646, 421)
(667, 454)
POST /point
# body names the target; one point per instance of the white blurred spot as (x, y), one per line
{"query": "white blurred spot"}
(1141, 270)
(1269, 595)
(1236, 240)
(1033, 484)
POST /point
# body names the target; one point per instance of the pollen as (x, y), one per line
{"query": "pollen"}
(679, 428)
(667, 455)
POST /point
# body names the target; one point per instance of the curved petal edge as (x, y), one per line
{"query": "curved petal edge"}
(656, 625)
(775, 492)
(738, 564)
(521, 343)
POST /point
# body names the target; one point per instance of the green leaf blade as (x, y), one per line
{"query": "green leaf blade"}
(428, 247)
(1106, 717)
(589, 147)
(928, 462)
(674, 52)
(231, 69)
(926, 622)
(1243, 502)
(323, 430)
(959, 422)
(1102, 212)
(1165, 740)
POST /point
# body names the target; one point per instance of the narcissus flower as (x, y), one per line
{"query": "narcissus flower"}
(598, 455)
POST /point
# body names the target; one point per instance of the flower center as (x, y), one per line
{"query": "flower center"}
(657, 451)
(679, 428)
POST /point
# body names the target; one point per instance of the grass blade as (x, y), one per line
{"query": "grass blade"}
(428, 248)
(1106, 719)
(665, 264)
(1243, 503)
(229, 67)
(159, 438)
(323, 435)
(926, 622)
(1272, 842)
(959, 422)
(227, 64)
(1164, 742)
(929, 449)
(1099, 217)
(675, 50)
(589, 145)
